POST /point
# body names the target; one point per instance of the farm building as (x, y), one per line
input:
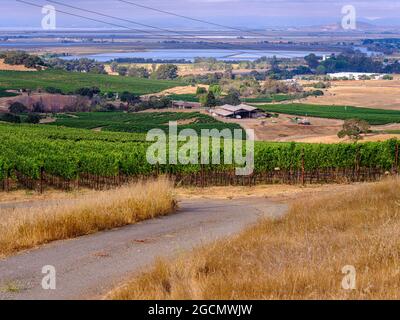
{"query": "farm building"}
(356, 75)
(239, 112)
(185, 105)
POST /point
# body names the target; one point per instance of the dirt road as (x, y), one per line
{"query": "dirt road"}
(87, 267)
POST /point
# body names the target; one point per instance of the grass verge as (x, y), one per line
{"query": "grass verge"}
(25, 228)
(298, 257)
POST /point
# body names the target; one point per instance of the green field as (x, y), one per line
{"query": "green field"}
(69, 153)
(272, 98)
(4, 93)
(139, 122)
(70, 81)
(372, 116)
(184, 97)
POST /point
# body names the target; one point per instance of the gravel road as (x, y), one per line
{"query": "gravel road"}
(88, 267)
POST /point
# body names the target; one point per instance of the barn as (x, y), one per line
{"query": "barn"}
(241, 111)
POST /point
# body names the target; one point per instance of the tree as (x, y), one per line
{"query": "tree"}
(208, 100)
(122, 71)
(216, 89)
(139, 72)
(321, 70)
(200, 91)
(114, 66)
(167, 72)
(9, 117)
(275, 65)
(38, 107)
(232, 98)
(17, 107)
(53, 90)
(129, 98)
(312, 60)
(33, 118)
(354, 128)
(88, 92)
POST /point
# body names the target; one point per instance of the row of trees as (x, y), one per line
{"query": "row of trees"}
(22, 58)
(350, 62)
(162, 72)
(77, 65)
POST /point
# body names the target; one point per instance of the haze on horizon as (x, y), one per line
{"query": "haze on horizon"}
(236, 13)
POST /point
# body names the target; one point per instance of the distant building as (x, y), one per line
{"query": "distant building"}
(355, 75)
(185, 105)
(239, 112)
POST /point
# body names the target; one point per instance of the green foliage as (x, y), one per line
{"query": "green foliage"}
(5, 94)
(167, 72)
(353, 128)
(17, 107)
(33, 118)
(216, 90)
(68, 153)
(200, 91)
(22, 58)
(138, 72)
(88, 92)
(208, 100)
(232, 98)
(185, 97)
(9, 117)
(53, 90)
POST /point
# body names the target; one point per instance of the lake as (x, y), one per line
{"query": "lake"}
(190, 54)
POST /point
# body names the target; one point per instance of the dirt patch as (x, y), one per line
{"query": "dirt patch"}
(48, 120)
(336, 139)
(283, 129)
(186, 121)
(177, 90)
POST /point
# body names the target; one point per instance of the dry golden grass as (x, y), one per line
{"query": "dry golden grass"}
(379, 94)
(9, 67)
(25, 228)
(298, 257)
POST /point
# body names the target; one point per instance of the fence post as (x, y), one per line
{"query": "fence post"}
(202, 176)
(41, 179)
(396, 159)
(302, 168)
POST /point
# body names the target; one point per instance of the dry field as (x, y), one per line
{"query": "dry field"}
(321, 130)
(377, 94)
(27, 227)
(298, 257)
(8, 67)
(177, 90)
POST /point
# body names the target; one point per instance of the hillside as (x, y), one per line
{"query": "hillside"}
(70, 81)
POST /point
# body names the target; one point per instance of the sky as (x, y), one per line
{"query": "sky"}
(235, 13)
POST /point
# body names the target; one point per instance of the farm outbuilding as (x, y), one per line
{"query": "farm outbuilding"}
(242, 111)
(185, 105)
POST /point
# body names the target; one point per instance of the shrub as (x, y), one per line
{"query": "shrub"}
(17, 107)
(33, 118)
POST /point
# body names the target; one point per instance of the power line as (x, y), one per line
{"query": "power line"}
(100, 21)
(125, 27)
(130, 21)
(192, 19)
